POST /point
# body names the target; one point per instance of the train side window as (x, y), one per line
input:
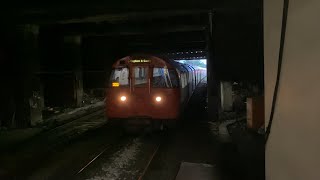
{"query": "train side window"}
(183, 80)
(119, 77)
(186, 79)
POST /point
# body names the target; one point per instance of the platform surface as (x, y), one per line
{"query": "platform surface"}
(196, 171)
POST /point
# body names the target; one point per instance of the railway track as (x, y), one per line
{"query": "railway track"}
(116, 144)
(139, 164)
(72, 129)
(149, 162)
(92, 114)
(41, 147)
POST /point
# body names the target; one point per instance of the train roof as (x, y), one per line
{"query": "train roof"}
(183, 67)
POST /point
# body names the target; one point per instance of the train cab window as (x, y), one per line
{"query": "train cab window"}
(140, 76)
(165, 78)
(119, 77)
(174, 78)
(159, 79)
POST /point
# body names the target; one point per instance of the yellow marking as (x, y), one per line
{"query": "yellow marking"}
(115, 84)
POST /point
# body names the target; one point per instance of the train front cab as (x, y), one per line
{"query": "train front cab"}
(143, 93)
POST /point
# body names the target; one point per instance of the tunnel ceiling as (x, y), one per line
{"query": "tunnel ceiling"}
(156, 32)
(51, 11)
(156, 26)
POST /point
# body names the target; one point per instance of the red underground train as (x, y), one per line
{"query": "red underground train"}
(146, 90)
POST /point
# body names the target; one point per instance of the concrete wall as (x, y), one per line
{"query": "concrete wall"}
(293, 148)
(238, 46)
(226, 96)
(22, 95)
(98, 56)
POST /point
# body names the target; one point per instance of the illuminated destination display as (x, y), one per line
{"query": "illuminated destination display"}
(140, 61)
(115, 84)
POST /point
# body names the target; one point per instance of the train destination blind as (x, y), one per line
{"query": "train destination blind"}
(140, 61)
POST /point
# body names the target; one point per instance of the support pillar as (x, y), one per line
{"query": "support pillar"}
(226, 96)
(72, 52)
(213, 90)
(28, 103)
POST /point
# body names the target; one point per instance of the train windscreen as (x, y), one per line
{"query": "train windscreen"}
(174, 78)
(119, 77)
(140, 76)
(164, 78)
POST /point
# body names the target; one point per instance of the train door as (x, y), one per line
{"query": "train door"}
(140, 83)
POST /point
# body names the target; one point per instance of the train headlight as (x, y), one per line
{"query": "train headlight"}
(158, 98)
(123, 98)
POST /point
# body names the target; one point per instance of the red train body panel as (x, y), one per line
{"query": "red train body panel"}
(148, 87)
(142, 104)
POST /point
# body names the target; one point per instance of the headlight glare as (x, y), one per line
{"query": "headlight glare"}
(123, 98)
(158, 98)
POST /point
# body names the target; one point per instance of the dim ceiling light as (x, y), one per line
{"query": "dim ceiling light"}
(158, 98)
(123, 98)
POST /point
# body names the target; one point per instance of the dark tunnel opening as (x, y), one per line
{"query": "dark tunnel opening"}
(74, 77)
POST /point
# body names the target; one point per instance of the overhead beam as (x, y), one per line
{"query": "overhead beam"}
(44, 12)
(92, 29)
(133, 16)
(152, 31)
